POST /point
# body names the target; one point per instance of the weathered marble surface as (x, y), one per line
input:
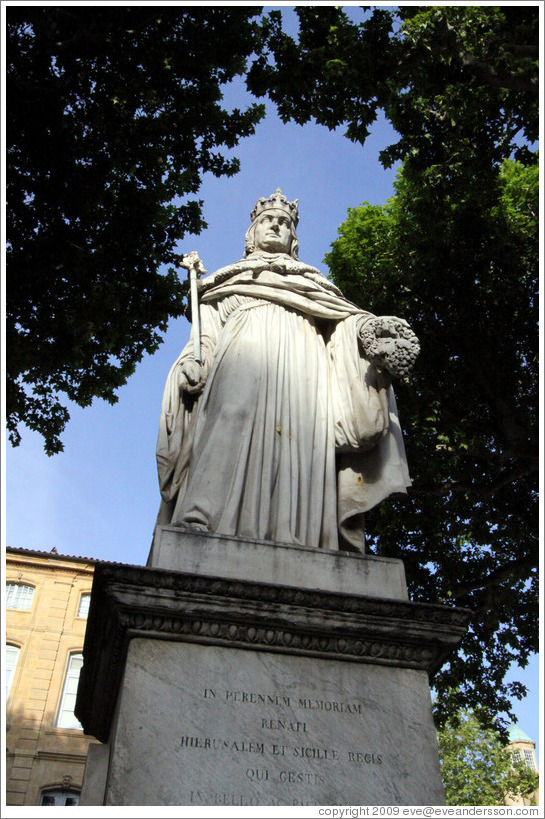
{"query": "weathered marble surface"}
(206, 725)
(278, 418)
(156, 640)
(95, 775)
(181, 550)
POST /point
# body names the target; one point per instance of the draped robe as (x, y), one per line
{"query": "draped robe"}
(295, 434)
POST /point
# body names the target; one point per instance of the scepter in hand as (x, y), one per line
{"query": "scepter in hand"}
(192, 262)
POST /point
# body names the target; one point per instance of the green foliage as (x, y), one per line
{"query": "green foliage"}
(455, 252)
(454, 80)
(469, 533)
(476, 767)
(114, 114)
(522, 782)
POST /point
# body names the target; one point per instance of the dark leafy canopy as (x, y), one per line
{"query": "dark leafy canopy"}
(113, 112)
(478, 769)
(456, 254)
(453, 80)
(470, 531)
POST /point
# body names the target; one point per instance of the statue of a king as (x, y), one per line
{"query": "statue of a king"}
(286, 430)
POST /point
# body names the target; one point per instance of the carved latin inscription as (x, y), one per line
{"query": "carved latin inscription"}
(204, 725)
(282, 732)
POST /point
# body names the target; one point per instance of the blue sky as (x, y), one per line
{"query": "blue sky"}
(100, 497)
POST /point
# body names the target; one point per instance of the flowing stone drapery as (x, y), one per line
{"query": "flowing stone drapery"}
(295, 435)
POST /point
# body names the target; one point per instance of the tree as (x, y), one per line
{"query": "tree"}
(455, 253)
(114, 113)
(476, 767)
(469, 534)
(455, 81)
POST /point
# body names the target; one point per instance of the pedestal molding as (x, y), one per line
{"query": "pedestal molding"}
(132, 602)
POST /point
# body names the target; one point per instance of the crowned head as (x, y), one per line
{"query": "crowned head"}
(276, 201)
(270, 214)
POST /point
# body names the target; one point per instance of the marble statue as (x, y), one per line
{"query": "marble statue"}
(284, 427)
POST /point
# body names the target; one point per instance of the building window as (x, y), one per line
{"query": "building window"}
(529, 759)
(83, 609)
(517, 756)
(12, 655)
(66, 718)
(59, 798)
(19, 596)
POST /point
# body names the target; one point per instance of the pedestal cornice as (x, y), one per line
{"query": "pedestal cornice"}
(130, 601)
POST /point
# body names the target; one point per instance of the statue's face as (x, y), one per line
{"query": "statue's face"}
(273, 232)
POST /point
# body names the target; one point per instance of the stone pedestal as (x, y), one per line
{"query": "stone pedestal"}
(305, 683)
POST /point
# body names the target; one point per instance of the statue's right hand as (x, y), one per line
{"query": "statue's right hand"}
(192, 378)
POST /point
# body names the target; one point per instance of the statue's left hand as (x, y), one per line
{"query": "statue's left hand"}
(390, 344)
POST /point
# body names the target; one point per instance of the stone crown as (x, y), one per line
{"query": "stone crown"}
(276, 201)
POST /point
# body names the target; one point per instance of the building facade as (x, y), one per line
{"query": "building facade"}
(522, 749)
(47, 599)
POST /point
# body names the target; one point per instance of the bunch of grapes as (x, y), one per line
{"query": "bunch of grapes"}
(390, 344)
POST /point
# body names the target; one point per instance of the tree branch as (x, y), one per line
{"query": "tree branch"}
(484, 71)
(480, 490)
(498, 576)
(504, 79)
